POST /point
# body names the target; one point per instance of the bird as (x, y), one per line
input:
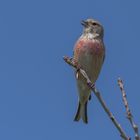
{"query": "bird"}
(89, 53)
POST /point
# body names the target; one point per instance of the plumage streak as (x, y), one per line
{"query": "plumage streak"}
(89, 52)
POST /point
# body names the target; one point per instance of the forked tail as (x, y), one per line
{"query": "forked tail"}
(81, 113)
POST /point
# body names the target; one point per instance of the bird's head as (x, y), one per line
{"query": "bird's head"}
(93, 27)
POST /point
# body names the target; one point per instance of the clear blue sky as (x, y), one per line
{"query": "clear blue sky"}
(38, 93)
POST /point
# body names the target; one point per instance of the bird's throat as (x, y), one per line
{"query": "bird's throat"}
(91, 36)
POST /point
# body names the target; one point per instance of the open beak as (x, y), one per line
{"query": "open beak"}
(84, 23)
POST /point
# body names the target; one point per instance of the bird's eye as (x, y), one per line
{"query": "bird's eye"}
(94, 23)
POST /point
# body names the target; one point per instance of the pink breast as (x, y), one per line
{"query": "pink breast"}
(90, 46)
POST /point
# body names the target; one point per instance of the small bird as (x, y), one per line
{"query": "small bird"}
(89, 53)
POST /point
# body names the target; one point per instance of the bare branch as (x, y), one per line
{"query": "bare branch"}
(128, 112)
(74, 64)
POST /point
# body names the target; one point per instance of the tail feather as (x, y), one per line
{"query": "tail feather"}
(81, 113)
(78, 115)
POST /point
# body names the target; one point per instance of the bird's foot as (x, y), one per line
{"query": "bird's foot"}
(91, 85)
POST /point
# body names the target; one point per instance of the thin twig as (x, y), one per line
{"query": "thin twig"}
(128, 112)
(74, 64)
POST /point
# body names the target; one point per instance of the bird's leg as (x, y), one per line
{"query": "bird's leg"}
(91, 85)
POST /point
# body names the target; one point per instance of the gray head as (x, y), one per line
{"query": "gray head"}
(94, 27)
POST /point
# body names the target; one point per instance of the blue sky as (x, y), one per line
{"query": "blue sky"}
(38, 93)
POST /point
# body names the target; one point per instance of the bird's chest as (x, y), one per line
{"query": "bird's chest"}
(87, 49)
